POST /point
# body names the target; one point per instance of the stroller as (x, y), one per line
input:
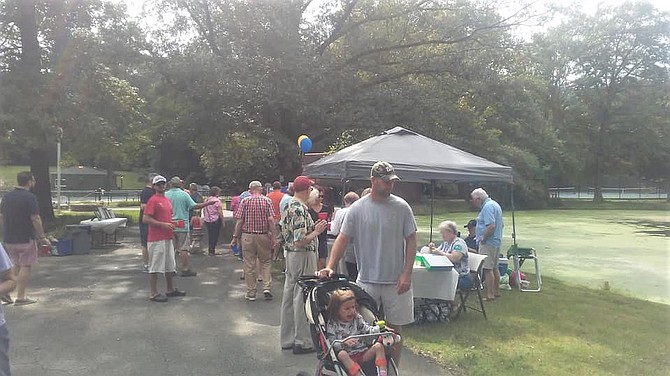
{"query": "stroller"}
(315, 294)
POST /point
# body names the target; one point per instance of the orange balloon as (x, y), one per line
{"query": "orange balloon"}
(304, 136)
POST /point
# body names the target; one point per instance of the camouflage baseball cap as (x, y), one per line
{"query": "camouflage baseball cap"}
(383, 170)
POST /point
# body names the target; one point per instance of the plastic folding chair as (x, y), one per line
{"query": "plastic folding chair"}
(518, 256)
(476, 262)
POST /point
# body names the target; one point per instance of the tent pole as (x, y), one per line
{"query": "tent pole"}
(432, 207)
(513, 221)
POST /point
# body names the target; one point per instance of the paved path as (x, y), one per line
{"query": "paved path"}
(93, 318)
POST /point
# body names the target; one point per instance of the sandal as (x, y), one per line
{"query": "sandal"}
(26, 301)
(159, 298)
(6, 299)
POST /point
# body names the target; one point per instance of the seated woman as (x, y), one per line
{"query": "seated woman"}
(455, 249)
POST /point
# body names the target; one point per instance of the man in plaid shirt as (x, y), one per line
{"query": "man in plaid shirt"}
(256, 226)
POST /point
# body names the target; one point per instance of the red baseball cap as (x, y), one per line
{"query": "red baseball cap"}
(302, 183)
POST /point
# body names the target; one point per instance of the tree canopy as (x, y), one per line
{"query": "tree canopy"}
(219, 90)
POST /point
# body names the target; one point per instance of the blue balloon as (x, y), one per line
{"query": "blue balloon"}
(306, 145)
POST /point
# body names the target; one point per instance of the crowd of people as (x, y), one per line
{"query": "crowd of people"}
(375, 234)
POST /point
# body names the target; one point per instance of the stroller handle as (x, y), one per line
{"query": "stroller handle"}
(313, 280)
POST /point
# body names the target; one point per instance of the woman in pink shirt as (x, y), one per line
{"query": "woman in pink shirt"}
(213, 216)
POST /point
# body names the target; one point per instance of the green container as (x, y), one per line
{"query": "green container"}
(515, 250)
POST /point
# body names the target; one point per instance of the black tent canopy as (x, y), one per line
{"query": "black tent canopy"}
(415, 158)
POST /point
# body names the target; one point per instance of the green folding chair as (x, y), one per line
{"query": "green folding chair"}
(519, 255)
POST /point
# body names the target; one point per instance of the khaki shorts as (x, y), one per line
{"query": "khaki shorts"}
(398, 309)
(161, 257)
(181, 241)
(491, 262)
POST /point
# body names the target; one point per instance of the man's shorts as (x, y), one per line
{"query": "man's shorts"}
(24, 254)
(181, 241)
(491, 262)
(144, 233)
(161, 256)
(398, 309)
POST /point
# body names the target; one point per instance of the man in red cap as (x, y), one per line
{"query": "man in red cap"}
(300, 237)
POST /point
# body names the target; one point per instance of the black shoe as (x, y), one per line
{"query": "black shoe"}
(301, 350)
(159, 298)
(175, 292)
(267, 294)
(188, 273)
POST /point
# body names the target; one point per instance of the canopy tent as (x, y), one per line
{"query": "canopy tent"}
(415, 158)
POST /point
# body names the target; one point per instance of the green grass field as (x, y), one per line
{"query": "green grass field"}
(563, 330)
(630, 249)
(574, 326)
(8, 177)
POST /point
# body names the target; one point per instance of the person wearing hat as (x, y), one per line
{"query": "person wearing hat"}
(299, 232)
(255, 230)
(145, 195)
(383, 229)
(471, 240)
(158, 216)
(182, 204)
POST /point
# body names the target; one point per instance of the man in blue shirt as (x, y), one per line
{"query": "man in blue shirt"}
(489, 238)
(182, 204)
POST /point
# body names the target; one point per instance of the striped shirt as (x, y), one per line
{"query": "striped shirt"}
(255, 212)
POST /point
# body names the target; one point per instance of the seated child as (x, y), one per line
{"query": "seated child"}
(196, 231)
(344, 321)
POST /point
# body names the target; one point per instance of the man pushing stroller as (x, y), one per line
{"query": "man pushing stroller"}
(383, 228)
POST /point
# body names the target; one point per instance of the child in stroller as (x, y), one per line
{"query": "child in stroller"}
(339, 312)
(345, 321)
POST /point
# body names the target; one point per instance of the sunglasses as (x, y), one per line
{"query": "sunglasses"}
(320, 196)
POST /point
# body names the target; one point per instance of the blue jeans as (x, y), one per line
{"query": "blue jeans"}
(4, 351)
(464, 281)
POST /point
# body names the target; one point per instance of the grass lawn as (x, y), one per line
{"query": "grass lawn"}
(628, 248)
(563, 330)
(573, 326)
(8, 177)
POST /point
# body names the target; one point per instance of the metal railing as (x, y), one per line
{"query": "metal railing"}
(621, 193)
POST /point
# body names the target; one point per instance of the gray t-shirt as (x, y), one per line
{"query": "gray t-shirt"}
(378, 230)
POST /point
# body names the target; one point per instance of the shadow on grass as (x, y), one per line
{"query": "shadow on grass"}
(653, 228)
(563, 330)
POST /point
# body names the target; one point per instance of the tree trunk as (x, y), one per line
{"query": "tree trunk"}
(600, 152)
(30, 116)
(39, 167)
